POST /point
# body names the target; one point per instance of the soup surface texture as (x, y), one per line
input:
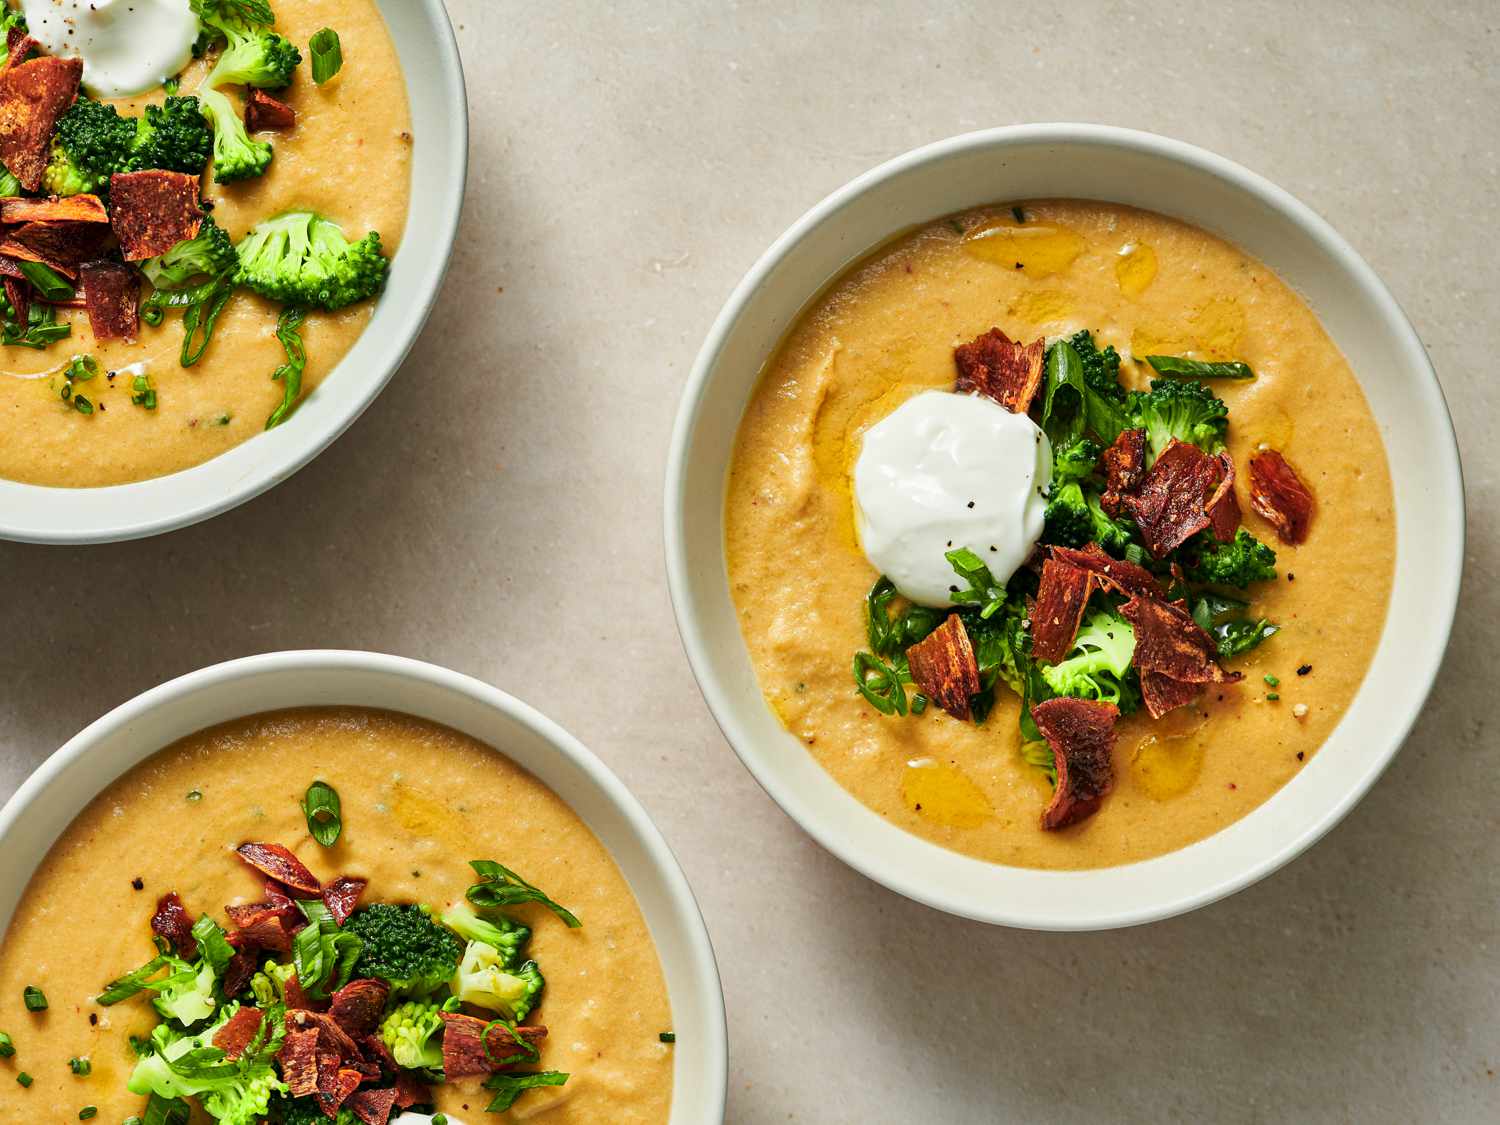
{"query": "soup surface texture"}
(349, 159)
(1146, 284)
(419, 800)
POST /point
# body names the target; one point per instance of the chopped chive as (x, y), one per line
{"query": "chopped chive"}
(82, 405)
(1271, 681)
(324, 813)
(142, 393)
(34, 998)
(24, 1079)
(7, 1045)
(87, 1111)
(668, 1036)
(80, 1065)
(1018, 214)
(327, 55)
(195, 795)
(1273, 695)
(50, 284)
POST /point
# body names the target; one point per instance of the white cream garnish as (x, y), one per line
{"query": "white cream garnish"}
(944, 471)
(127, 46)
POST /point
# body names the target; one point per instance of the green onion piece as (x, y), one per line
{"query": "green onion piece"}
(327, 55)
(123, 988)
(82, 405)
(52, 285)
(34, 998)
(1017, 214)
(1273, 695)
(132, 1120)
(142, 393)
(1271, 681)
(526, 1053)
(668, 1036)
(88, 1111)
(7, 1045)
(195, 795)
(439, 1119)
(24, 1079)
(81, 368)
(500, 886)
(167, 1111)
(80, 1065)
(1185, 368)
(509, 1087)
(323, 811)
(289, 374)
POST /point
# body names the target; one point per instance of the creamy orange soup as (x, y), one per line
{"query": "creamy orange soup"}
(349, 158)
(1148, 285)
(419, 801)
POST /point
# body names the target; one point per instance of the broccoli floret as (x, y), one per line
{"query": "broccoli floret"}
(1243, 560)
(484, 981)
(173, 136)
(253, 54)
(505, 935)
(92, 143)
(305, 1111)
(269, 985)
(1101, 370)
(1184, 409)
(237, 155)
(410, 1030)
(234, 1094)
(1075, 461)
(1114, 535)
(301, 258)
(1069, 521)
(208, 252)
(1099, 662)
(404, 947)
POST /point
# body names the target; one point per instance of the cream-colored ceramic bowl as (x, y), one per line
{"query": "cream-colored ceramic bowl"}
(440, 155)
(1093, 162)
(67, 781)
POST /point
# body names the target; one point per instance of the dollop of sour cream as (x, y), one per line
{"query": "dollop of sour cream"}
(943, 471)
(127, 46)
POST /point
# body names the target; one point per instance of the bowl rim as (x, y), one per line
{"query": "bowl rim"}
(682, 906)
(245, 483)
(695, 641)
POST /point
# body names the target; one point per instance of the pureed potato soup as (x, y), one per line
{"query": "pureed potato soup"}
(1191, 556)
(345, 158)
(415, 802)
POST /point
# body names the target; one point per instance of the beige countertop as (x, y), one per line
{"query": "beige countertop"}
(498, 510)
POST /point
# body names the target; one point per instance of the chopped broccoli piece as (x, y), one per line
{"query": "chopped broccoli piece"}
(483, 980)
(209, 252)
(1075, 461)
(12, 18)
(187, 993)
(173, 136)
(237, 155)
(1098, 665)
(1184, 409)
(1243, 560)
(404, 947)
(301, 258)
(503, 934)
(92, 142)
(234, 1093)
(1069, 520)
(269, 985)
(1114, 535)
(253, 54)
(411, 1031)
(306, 1111)
(1101, 369)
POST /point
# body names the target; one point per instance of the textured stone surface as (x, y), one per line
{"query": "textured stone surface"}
(628, 166)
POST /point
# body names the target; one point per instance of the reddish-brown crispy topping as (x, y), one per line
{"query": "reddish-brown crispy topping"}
(299, 1061)
(1060, 600)
(374, 1049)
(151, 212)
(1124, 466)
(33, 95)
(18, 293)
(296, 996)
(335, 1038)
(334, 1088)
(341, 895)
(373, 1107)
(262, 111)
(410, 1090)
(1081, 733)
(1109, 572)
(174, 925)
(357, 1006)
(1171, 650)
(53, 209)
(266, 930)
(999, 368)
(17, 46)
(240, 969)
(237, 1032)
(1223, 506)
(464, 1042)
(1169, 504)
(944, 669)
(59, 246)
(1278, 495)
(280, 864)
(111, 293)
(10, 267)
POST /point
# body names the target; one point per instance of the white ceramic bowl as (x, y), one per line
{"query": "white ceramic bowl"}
(49, 800)
(1123, 166)
(440, 156)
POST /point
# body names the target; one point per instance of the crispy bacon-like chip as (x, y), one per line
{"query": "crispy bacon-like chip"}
(33, 95)
(1223, 506)
(18, 293)
(240, 969)
(17, 46)
(174, 925)
(335, 1038)
(1168, 506)
(1278, 495)
(1060, 600)
(297, 998)
(262, 111)
(266, 931)
(1109, 572)
(237, 1032)
(944, 668)
(373, 1107)
(341, 895)
(374, 1049)
(999, 368)
(1081, 733)
(111, 293)
(357, 1006)
(299, 1061)
(53, 209)
(1171, 651)
(334, 1088)
(280, 864)
(1124, 466)
(410, 1090)
(464, 1043)
(59, 246)
(151, 212)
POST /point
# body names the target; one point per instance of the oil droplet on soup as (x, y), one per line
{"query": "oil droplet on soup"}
(1135, 268)
(1167, 763)
(944, 794)
(1042, 307)
(1038, 249)
(1214, 331)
